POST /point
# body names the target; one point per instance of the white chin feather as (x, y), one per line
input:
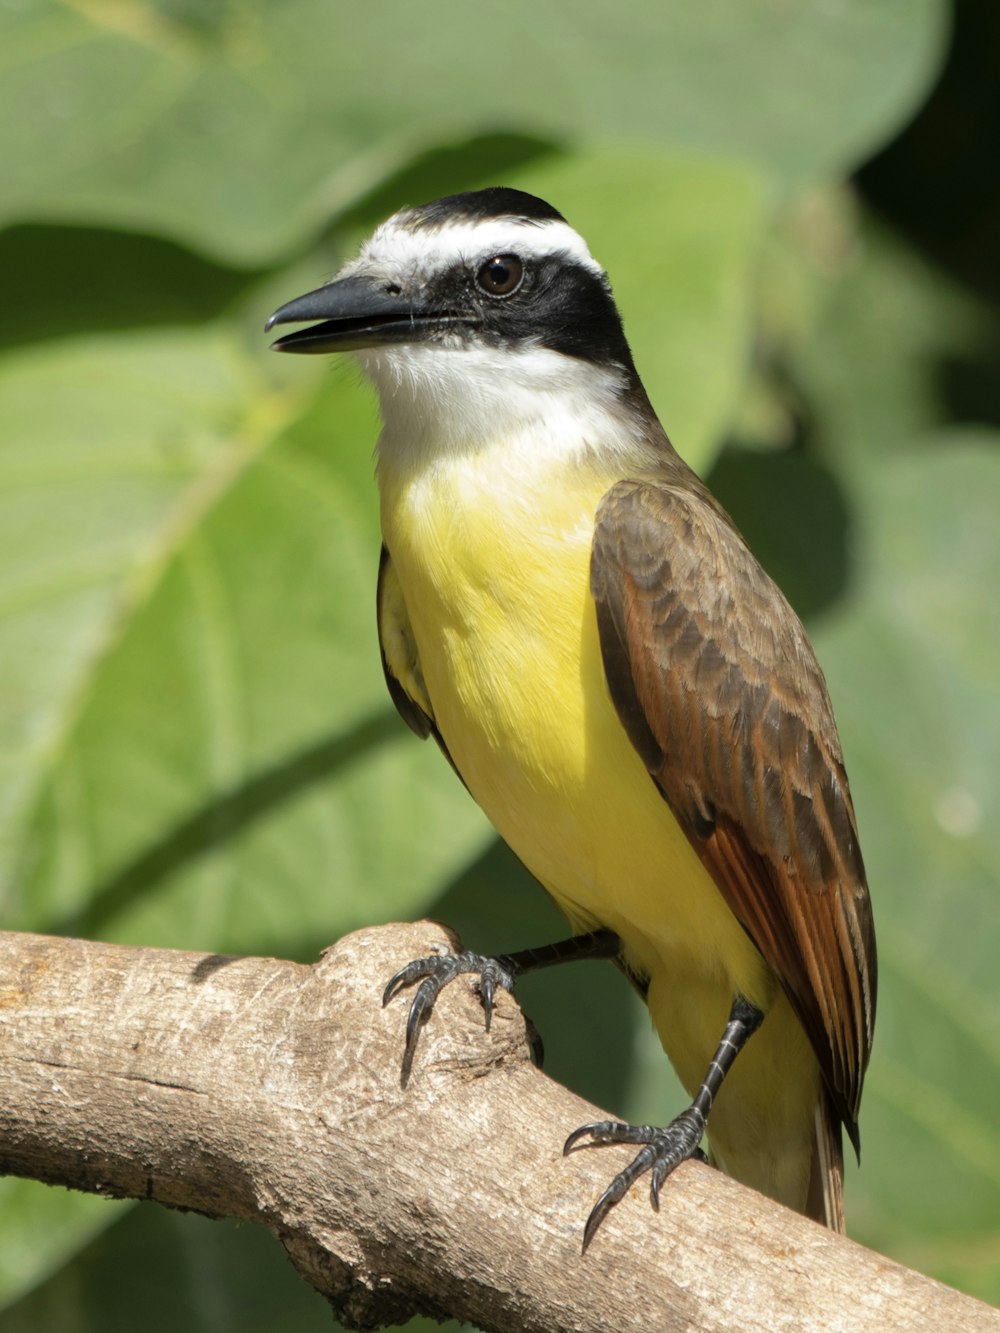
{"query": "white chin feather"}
(439, 400)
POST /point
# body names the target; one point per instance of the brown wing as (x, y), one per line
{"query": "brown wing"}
(720, 692)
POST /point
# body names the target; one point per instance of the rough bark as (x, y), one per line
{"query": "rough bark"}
(270, 1091)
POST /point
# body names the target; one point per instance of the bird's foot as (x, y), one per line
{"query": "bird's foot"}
(663, 1150)
(436, 972)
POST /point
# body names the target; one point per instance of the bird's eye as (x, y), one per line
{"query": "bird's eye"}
(501, 275)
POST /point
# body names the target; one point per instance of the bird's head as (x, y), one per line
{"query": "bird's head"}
(493, 268)
(478, 308)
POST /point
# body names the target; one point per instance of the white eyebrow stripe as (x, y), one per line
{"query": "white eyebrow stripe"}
(428, 248)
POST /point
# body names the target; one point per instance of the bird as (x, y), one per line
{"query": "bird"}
(568, 611)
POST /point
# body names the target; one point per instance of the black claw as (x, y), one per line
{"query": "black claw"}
(657, 1176)
(611, 1131)
(662, 1152)
(434, 973)
(396, 984)
(406, 976)
(420, 1009)
(598, 1213)
(580, 1133)
(437, 971)
(486, 984)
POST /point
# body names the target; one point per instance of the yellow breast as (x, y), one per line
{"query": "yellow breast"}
(494, 569)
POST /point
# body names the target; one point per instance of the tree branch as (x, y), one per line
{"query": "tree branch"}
(270, 1091)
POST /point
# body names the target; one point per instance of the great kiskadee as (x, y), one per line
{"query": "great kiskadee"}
(570, 613)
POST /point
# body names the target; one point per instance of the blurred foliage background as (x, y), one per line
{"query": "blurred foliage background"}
(799, 206)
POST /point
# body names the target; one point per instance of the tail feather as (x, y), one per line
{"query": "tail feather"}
(825, 1200)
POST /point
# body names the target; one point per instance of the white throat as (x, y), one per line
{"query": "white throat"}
(439, 401)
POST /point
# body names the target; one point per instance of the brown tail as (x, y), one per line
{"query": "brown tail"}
(825, 1201)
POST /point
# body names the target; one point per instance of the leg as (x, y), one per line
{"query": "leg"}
(666, 1148)
(436, 972)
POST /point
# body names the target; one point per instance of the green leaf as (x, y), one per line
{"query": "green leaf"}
(892, 347)
(913, 660)
(182, 1271)
(63, 281)
(241, 129)
(41, 1229)
(109, 449)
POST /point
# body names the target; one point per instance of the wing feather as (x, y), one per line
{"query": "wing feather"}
(719, 690)
(401, 660)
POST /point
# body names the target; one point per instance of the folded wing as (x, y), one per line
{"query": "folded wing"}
(719, 690)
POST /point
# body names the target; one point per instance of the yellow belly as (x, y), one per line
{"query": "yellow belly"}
(495, 578)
